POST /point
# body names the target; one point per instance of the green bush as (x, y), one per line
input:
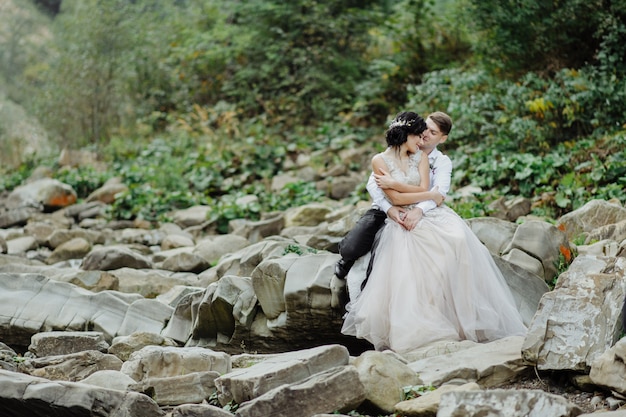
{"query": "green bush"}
(535, 137)
(544, 36)
(83, 179)
(14, 177)
(416, 37)
(308, 62)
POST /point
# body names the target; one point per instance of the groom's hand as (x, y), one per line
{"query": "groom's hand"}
(438, 196)
(396, 214)
(412, 218)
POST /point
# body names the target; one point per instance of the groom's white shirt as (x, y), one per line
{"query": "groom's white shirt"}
(440, 176)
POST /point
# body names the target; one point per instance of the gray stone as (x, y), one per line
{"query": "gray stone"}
(75, 248)
(604, 247)
(21, 245)
(609, 369)
(110, 379)
(580, 318)
(526, 287)
(191, 216)
(524, 260)
(165, 361)
(193, 387)
(60, 236)
(24, 395)
(186, 262)
(615, 232)
(3, 245)
(427, 404)
(490, 364)
(214, 247)
(71, 367)
(124, 346)
(245, 384)
(8, 358)
(225, 306)
(343, 186)
(505, 403)
(72, 308)
(255, 231)
(114, 257)
(82, 211)
(268, 281)
(307, 215)
(511, 209)
(594, 214)
(108, 192)
(16, 217)
(334, 389)
(180, 325)
(94, 281)
(383, 377)
(151, 283)
(47, 192)
(177, 240)
(64, 343)
(541, 240)
(199, 410)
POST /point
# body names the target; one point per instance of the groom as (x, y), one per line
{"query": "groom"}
(360, 239)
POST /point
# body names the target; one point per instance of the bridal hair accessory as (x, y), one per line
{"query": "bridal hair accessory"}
(398, 123)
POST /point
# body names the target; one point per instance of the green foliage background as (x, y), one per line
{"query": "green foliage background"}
(202, 101)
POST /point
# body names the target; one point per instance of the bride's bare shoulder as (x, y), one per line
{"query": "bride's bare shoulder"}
(378, 156)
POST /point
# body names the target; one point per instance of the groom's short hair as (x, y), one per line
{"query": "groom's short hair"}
(442, 120)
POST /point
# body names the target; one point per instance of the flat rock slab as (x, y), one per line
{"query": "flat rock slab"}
(27, 396)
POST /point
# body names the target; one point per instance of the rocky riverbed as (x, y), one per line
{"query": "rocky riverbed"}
(175, 319)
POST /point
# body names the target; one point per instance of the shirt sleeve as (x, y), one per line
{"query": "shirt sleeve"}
(442, 177)
(377, 194)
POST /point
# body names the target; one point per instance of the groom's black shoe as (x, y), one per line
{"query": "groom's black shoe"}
(342, 267)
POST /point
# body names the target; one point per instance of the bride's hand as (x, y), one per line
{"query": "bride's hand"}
(412, 218)
(384, 180)
(396, 214)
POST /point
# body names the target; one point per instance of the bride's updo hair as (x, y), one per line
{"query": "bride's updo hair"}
(404, 124)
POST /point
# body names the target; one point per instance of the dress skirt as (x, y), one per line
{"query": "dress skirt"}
(435, 282)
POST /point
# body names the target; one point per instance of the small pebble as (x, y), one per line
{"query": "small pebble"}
(614, 403)
(597, 402)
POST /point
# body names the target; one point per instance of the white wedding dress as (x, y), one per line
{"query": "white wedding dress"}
(436, 282)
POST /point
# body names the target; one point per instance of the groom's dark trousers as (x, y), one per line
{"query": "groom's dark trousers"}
(359, 240)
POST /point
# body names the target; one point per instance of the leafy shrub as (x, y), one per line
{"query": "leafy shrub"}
(297, 249)
(15, 176)
(83, 179)
(151, 204)
(531, 137)
(416, 37)
(292, 195)
(530, 35)
(229, 207)
(83, 103)
(311, 56)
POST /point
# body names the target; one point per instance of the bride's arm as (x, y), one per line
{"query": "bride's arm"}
(385, 181)
(379, 165)
(403, 199)
(403, 194)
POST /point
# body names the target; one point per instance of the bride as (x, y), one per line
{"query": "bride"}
(434, 282)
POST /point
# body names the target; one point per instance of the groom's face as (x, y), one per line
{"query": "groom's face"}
(432, 136)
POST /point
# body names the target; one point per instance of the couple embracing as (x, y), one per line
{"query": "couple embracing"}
(415, 271)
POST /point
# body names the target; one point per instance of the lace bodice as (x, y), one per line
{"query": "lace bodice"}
(412, 176)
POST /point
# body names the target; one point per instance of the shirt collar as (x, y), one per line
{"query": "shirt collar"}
(434, 154)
